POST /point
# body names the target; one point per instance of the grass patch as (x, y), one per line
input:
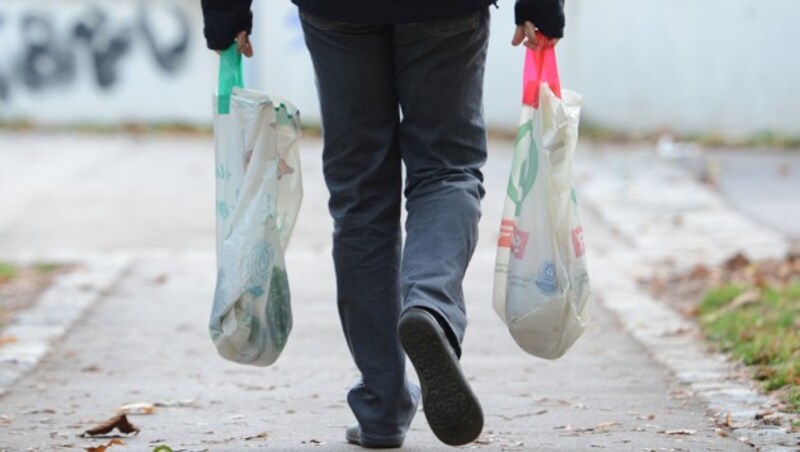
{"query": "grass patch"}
(7, 272)
(21, 285)
(760, 327)
(47, 267)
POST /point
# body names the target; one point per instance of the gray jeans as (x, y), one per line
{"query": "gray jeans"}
(394, 95)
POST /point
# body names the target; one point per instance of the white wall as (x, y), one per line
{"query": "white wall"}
(103, 62)
(693, 66)
(700, 66)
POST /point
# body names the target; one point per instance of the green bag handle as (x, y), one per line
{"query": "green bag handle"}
(230, 76)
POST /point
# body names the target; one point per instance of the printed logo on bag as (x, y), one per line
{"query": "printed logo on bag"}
(260, 264)
(222, 210)
(255, 291)
(519, 243)
(222, 172)
(506, 234)
(284, 169)
(546, 278)
(577, 242)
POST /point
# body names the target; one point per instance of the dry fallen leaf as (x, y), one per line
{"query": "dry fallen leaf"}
(658, 285)
(5, 340)
(170, 403)
(262, 435)
(119, 422)
(749, 297)
(700, 271)
(681, 432)
(137, 408)
(106, 446)
(737, 262)
(597, 428)
(44, 411)
(605, 425)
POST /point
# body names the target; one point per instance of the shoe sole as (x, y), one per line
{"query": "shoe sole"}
(451, 408)
(354, 437)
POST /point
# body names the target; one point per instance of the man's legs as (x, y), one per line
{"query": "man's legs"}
(439, 68)
(362, 167)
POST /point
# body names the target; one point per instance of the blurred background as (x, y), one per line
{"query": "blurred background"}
(713, 68)
(688, 173)
(681, 75)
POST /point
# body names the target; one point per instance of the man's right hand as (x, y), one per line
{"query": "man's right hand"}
(243, 44)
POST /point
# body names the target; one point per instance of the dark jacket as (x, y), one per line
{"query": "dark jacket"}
(390, 11)
(224, 19)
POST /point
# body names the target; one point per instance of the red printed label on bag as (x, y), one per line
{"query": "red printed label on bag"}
(506, 234)
(577, 242)
(519, 244)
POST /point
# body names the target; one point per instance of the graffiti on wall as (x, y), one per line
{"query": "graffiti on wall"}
(47, 52)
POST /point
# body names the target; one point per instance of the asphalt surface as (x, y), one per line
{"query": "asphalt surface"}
(764, 184)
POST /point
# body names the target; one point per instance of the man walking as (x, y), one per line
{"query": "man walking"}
(401, 84)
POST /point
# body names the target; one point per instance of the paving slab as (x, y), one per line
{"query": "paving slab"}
(147, 340)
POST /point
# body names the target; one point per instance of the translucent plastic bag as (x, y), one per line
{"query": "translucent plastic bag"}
(259, 192)
(541, 288)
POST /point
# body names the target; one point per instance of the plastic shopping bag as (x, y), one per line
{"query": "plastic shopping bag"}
(541, 288)
(258, 193)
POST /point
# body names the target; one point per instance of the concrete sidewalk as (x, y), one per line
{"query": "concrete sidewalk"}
(149, 201)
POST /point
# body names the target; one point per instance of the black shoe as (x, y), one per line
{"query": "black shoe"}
(450, 406)
(353, 436)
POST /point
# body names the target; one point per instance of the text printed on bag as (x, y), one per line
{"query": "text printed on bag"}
(577, 242)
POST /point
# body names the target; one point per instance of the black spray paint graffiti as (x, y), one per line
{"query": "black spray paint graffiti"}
(51, 57)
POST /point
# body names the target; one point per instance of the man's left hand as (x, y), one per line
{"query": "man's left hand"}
(527, 36)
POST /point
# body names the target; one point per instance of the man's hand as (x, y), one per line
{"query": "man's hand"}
(526, 35)
(243, 44)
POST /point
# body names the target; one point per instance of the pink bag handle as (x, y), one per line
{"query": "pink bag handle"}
(540, 67)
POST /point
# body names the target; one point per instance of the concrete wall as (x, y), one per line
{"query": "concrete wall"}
(693, 66)
(699, 66)
(106, 62)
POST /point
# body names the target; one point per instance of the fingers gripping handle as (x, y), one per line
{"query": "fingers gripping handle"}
(540, 67)
(230, 76)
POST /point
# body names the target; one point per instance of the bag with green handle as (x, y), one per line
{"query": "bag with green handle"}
(258, 196)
